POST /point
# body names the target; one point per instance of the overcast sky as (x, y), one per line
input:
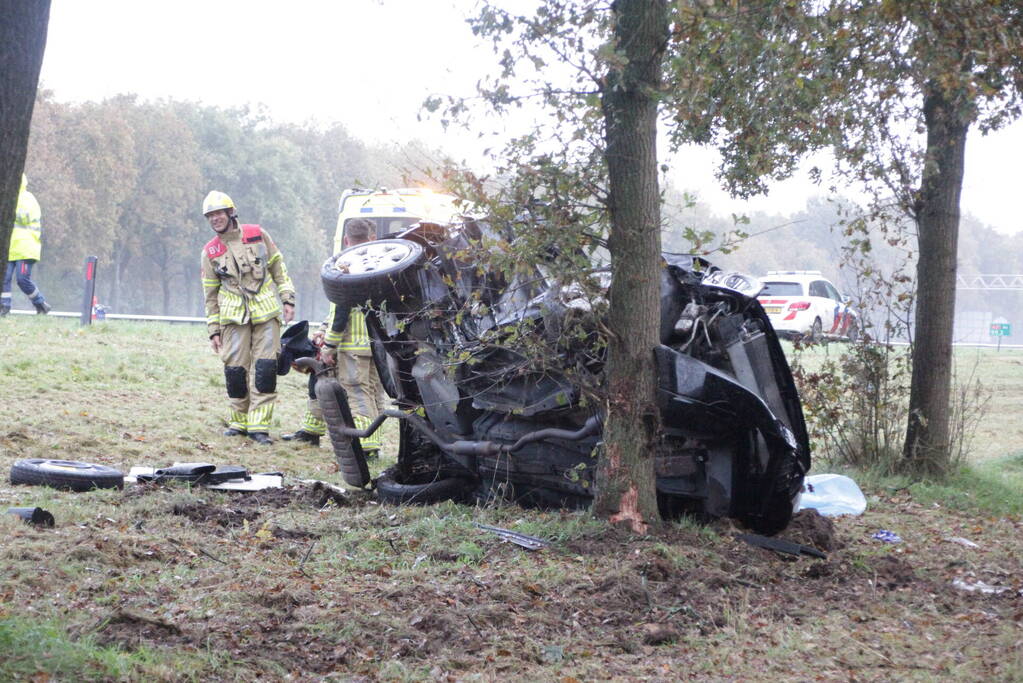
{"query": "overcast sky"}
(369, 65)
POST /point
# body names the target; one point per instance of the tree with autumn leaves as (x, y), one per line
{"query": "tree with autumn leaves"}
(889, 88)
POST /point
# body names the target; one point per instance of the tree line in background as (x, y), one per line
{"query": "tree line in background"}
(124, 179)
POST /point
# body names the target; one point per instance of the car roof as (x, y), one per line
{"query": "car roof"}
(802, 276)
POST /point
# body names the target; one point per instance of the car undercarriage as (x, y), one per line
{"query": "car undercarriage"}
(481, 419)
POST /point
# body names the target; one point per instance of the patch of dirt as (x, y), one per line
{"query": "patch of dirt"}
(655, 568)
(131, 630)
(811, 528)
(285, 599)
(612, 606)
(889, 571)
(219, 515)
(294, 534)
(248, 506)
(658, 634)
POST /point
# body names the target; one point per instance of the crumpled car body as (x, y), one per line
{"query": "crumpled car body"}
(481, 422)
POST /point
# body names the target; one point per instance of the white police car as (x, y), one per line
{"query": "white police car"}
(802, 304)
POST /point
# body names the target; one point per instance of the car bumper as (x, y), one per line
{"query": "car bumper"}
(789, 329)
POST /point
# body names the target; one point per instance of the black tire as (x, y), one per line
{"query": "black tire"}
(816, 332)
(853, 333)
(390, 490)
(347, 450)
(66, 474)
(378, 272)
(775, 496)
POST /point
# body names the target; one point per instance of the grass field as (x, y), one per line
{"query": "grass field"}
(172, 583)
(999, 375)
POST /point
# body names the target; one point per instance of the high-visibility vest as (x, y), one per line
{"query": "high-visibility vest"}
(251, 296)
(354, 337)
(26, 238)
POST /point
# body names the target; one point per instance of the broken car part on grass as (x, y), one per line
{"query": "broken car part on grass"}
(481, 420)
(36, 515)
(69, 475)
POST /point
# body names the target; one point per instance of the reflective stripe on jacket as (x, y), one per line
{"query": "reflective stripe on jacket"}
(26, 238)
(353, 337)
(244, 278)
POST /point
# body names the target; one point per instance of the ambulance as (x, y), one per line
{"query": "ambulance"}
(392, 210)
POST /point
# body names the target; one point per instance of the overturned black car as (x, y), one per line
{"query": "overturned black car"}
(479, 422)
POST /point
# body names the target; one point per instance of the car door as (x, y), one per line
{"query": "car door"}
(842, 315)
(822, 305)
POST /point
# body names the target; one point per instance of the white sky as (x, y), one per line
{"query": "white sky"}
(369, 64)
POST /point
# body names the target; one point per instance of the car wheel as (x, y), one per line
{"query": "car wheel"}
(66, 474)
(775, 500)
(392, 488)
(853, 333)
(816, 332)
(347, 450)
(376, 272)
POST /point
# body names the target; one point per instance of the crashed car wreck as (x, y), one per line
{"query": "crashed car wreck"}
(477, 423)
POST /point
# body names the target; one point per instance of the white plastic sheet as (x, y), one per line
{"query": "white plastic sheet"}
(832, 495)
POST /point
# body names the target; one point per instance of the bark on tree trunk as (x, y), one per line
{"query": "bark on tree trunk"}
(626, 490)
(926, 449)
(22, 42)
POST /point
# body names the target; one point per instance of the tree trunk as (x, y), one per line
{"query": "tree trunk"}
(22, 42)
(926, 450)
(626, 489)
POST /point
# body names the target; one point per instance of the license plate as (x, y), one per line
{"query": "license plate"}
(772, 310)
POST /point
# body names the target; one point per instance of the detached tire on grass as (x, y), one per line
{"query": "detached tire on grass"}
(69, 475)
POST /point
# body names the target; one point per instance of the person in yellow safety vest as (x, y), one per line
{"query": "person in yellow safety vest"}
(247, 291)
(26, 247)
(347, 352)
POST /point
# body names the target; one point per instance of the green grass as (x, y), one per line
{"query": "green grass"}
(420, 593)
(999, 376)
(34, 648)
(993, 486)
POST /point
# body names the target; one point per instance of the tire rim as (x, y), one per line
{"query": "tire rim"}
(373, 257)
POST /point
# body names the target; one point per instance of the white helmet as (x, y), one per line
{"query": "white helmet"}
(216, 201)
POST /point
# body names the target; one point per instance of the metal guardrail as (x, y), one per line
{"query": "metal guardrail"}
(118, 316)
(1005, 282)
(187, 319)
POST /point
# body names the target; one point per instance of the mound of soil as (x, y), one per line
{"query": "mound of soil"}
(809, 527)
(247, 507)
(131, 630)
(218, 515)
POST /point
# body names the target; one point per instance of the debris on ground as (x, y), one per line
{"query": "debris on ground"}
(37, 516)
(978, 586)
(832, 495)
(886, 536)
(780, 545)
(208, 475)
(524, 540)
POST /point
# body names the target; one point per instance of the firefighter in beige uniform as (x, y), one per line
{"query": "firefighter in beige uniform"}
(344, 345)
(246, 285)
